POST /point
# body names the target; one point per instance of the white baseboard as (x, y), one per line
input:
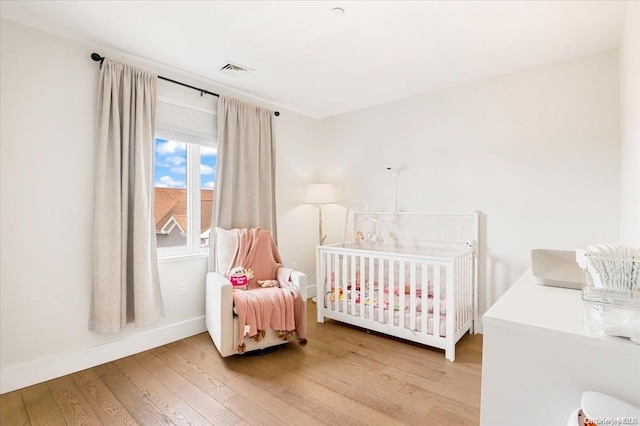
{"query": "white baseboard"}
(311, 291)
(50, 368)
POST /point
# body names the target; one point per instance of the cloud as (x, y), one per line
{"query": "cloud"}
(170, 147)
(206, 170)
(178, 170)
(206, 151)
(175, 161)
(208, 185)
(169, 182)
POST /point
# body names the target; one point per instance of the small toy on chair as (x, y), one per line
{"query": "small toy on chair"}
(269, 283)
(240, 277)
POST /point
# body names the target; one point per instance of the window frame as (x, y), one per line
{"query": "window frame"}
(192, 248)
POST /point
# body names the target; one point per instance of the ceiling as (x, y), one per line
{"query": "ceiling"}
(308, 60)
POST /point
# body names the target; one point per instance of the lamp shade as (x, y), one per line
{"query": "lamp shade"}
(320, 193)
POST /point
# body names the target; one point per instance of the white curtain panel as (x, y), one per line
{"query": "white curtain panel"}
(245, 171)
(126, 283)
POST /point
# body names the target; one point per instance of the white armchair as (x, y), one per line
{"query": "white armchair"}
(221, 322)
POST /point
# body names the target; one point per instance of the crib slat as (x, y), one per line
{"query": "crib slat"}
(463, 281)
(456, 299)
(353, 285)
(320, 270)
(328, 282)
(337, 279)
(362, 284)
(471, 278)
(470, 287)
(345, 282)
(392, 279)
(371, 293)
(402, 282)
(465, 276)
(451, 306)
(412, 297)
(337, 271)
(424, 311)
(381, 282)
(470, 261)
(436, 300)
(462, 287)
(457, 283)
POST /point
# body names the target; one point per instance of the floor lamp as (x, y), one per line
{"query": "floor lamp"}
(319, 194)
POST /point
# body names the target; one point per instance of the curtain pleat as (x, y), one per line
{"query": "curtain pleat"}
(126, 283)
(245, 170)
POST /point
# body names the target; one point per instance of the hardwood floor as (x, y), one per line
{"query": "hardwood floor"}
(343, 376)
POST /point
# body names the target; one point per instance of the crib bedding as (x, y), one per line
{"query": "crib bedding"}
(363, 302)
(399, 299)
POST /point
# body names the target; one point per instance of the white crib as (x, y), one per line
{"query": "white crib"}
(420, 288)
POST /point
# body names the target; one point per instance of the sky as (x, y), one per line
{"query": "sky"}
(171, 165)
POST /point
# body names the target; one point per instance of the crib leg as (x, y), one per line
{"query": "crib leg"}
(320, 316)
(450, 351)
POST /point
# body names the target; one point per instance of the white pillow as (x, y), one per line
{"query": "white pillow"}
(226, 241)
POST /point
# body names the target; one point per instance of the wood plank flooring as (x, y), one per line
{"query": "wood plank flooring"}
(344, 376)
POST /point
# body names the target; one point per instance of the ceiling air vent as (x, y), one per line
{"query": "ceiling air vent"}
(235, 70)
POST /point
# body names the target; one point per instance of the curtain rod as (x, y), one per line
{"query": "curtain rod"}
(96, 57)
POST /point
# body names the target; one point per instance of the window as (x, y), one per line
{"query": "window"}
(184, 176)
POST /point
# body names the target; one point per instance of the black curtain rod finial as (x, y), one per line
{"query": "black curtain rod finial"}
(277, 113)
(97, 58)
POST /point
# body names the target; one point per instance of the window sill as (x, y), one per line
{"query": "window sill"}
(181, 257)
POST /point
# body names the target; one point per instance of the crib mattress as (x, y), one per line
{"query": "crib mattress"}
(364, 303)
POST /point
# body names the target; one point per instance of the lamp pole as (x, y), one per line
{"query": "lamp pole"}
(321, 237)
(319, 194)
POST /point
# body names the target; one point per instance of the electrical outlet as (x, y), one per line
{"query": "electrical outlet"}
(184, 288)
(294, 265)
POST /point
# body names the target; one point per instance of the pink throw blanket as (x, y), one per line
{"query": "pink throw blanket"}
(281, 309)
(256, 250)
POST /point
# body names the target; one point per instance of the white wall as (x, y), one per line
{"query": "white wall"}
(297, 166)
(48, 96)
(630, 134)
(536, 150)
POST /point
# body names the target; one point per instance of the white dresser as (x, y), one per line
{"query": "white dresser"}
(537, 360)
